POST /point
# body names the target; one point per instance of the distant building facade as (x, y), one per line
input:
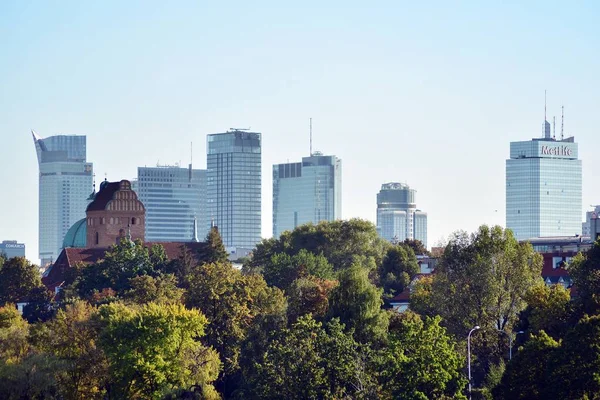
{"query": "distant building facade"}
(65, 182)
(307, 191)
(543, 187)
(234, 187)
(173, 198)
(11, 248)
(397, 215)
(586, 226)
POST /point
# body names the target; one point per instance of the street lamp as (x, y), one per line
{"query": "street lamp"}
(469, 355)
(510, 341)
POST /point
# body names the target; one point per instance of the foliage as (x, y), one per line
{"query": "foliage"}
(357, 303)
(338, 241)
(585, 272)
(162, 289)
(421, 361)
(18, 277)
(309, 295)
(417, 247)
(39, 306)
(31, 378)
(549, 309)
(213, 250)
(14, 331)
(399, 266)
(154, 348)
(282, 269)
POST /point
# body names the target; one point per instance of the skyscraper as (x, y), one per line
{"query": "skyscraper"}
(234, 187)
(65, 183)
(397, 215)
(543, 187)
(307, 191)
(173, 198)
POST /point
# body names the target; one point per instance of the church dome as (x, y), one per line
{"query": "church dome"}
(76, 235)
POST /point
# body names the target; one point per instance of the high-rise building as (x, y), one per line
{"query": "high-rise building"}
(586, 227)
(65, 183)
(234, 187)
(11, 248)
(174, 197)
(397, 215)
(307, 191)
(543, 187)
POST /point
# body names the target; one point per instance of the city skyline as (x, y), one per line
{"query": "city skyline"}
(426, 100)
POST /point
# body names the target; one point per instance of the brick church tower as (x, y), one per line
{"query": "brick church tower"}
(114, 213)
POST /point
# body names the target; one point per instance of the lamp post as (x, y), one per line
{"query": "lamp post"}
(469, 355)
(510, 341)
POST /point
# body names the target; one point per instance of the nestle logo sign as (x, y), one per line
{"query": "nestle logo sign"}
(557, 151)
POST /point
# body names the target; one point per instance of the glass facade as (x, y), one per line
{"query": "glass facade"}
(11, 248)
(397, 215)
(173, 197)
(233, 188)
(543, 188)
(65, 183)
(308, 191)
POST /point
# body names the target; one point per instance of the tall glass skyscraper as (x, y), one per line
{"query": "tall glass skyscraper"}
(65, 184)
(307, 191)
(397, 215)
(173, 198)
(543, 187)
(234, 187)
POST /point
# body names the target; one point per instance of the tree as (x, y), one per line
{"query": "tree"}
(482, 279)
(213, 250)
(309, 295)
(417, 246)
(421, 360)
(121, 262)
(18, 277)
(549, 309)
(338, 241)
(310, 361)
(282, 269)
(39, 306)
(526, 376)
(399, 266)
(357, 303)
(154, 349)
(585, 272)
(14, 332)
(230, 301)
(71, 338)
(162, 289)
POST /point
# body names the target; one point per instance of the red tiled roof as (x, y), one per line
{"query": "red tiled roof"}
(106, 193)
(69, 257)
(401, 297)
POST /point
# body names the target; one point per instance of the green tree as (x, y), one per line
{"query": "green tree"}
(549, 309)
(39, 307)
(399, 266)
(527, 374)
(309, 295)
(18, 277)
(357, 303)
(14, 332)
(283, 269)
(417, 246)
(213, 250)
(338, 241)
(585, 272)
(421, 360)
(71, 338)
(147, 289)
(154, 349)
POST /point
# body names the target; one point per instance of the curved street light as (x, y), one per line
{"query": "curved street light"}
(476, 327)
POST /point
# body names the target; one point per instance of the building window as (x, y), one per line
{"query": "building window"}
(132, 221)
(97, 238)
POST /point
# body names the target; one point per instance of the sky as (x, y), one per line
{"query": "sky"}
(426, 93)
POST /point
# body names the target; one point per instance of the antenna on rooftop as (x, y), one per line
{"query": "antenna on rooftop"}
(562, 124)
(544, 104)
(553, 127)
(191, 153)
(310, 137)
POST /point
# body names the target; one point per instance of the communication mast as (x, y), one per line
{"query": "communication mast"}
(562, 123)
(310, 137)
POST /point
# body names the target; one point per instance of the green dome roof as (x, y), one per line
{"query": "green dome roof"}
(76, 235)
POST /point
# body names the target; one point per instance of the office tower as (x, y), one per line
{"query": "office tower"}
(174, 197)
(11, 248)
(543, 187)
(586, 227)
(65, 183)
(234, 187)
(307, 191)
(397, 215)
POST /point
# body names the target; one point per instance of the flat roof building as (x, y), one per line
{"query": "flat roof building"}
(11, 248)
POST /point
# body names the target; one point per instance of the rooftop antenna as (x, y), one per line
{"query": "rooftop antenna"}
(544, 104)
(311, 137)
(562, 123)
(191, 153)
(553, 127)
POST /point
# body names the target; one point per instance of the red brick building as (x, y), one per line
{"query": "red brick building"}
(114, 213)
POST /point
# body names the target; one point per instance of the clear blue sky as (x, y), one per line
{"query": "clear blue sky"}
(430, 95)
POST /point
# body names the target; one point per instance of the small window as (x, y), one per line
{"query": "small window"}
(132, 221)
(97, 238)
